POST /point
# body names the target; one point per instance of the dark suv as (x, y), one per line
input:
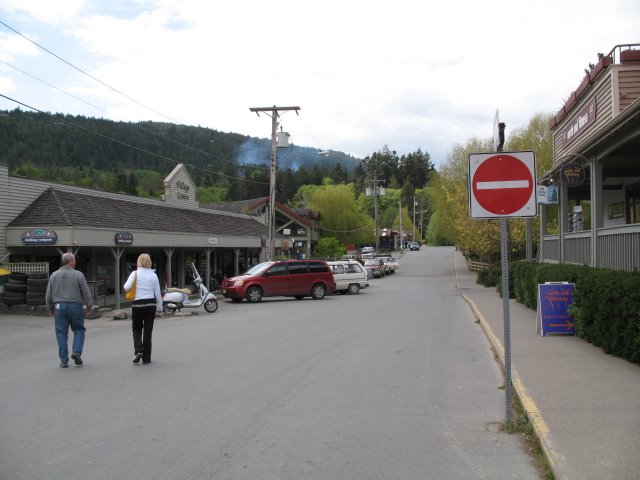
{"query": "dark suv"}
(295, 278)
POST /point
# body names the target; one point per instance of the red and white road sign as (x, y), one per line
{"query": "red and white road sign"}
(502, 185)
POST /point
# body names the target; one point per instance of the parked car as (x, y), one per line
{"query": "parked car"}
(367, 252)
(413, 246)
(349, 275)
(376, 266)
(392, 263)
(295, 278)
(386, 267)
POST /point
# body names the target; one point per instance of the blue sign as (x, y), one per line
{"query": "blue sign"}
(554, 300)
(39, 236)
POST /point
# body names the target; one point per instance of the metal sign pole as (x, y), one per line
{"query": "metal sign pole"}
(504, 257)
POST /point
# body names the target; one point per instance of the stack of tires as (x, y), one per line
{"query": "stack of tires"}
(26, 289)
(15, 291)
(37, 288)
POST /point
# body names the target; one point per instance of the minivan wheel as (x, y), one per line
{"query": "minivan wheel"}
(318, 291)
(254, 294)
(354, 288)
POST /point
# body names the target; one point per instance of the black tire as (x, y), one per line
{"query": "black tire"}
(15, 288)
(38, 276)
(14, 295)
(34, 295)
(318, 291)
(12, 281)
(37, 282)
(254, 294)
(36, 301)
(211, 305)
(39, 290)
(11, 301)
(354, 288)
(21, 277)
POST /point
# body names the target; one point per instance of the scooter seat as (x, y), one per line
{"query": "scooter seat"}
(181, 290)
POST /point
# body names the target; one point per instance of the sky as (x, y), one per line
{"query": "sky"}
(407, 74)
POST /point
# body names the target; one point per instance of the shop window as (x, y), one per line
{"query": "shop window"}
(633, 203)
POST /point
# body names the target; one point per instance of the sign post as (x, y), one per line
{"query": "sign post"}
(502, 185)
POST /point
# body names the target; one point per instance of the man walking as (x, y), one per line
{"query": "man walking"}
(67, 292)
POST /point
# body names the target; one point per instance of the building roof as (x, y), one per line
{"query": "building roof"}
(56, 207)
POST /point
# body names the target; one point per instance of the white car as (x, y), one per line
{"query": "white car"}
(349, 275)
(393, 264)
(367, 252)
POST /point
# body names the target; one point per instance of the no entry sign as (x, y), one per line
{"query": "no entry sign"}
(502, 185)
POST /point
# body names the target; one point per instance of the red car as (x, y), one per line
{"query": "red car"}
(294, 278)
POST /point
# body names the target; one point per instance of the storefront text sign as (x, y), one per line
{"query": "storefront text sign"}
(572, 174)
(124, 238)
(580, 122)
(39, 236)
(554, 300)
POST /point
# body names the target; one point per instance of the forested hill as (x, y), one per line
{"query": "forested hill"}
(135, 157)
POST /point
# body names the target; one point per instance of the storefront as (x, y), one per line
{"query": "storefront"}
(594, 184)
(108, 231)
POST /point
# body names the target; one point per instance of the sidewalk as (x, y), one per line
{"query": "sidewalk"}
(584, 404)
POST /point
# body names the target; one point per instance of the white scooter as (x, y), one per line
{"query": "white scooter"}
(179, 298)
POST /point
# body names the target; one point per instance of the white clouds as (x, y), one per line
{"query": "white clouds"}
(412, 75)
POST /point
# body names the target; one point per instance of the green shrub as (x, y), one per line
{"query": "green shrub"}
(606, 303)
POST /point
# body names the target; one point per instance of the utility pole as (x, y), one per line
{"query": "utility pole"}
(414, 219)
(272, 177)
(375, 190)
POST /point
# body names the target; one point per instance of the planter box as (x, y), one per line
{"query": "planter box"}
(629, 56)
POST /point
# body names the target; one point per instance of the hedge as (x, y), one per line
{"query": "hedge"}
(606, 303)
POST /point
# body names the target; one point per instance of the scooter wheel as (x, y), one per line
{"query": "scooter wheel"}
(211, 305)
(167, 309)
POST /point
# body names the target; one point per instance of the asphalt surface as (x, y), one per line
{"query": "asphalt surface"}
(583, 403)
(397, 382)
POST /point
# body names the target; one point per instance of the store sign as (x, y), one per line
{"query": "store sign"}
(580, 122)
(124, 238)
(554, 300)
(616, 210)
(212, 240)
(572, 174)
(39, 236)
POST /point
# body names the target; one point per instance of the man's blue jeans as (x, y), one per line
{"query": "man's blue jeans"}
(69, 315)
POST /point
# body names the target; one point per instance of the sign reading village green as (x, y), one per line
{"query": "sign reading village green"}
(39, 236)
(124, 238)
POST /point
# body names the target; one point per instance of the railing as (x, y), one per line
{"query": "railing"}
(27, 267)
(577, 248)
(618, 248)
(551, 249)
(477, 266)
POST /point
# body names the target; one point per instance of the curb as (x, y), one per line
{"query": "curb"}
(557, 462)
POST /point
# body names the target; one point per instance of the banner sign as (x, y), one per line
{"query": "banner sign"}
(39, 236)
(554, 300)
(124, 238)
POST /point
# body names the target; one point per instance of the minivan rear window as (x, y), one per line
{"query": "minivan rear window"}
(317, 267)
(297, 267)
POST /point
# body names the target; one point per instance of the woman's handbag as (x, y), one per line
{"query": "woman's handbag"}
(131, 294)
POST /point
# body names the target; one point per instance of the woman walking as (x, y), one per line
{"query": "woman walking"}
(147, 302)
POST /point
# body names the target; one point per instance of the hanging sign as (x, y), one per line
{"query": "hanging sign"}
(554, 300)
(39, 236)
(572, 174)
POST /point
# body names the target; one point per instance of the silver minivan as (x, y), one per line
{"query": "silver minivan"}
(349, 275)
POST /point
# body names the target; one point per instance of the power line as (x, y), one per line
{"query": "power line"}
(142, 150)
(118, 92)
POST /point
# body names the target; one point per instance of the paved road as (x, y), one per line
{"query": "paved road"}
(397, 382)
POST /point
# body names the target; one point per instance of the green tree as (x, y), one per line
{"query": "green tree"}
(330, 247)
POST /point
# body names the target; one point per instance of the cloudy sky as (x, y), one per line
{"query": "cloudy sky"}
(407, 74)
